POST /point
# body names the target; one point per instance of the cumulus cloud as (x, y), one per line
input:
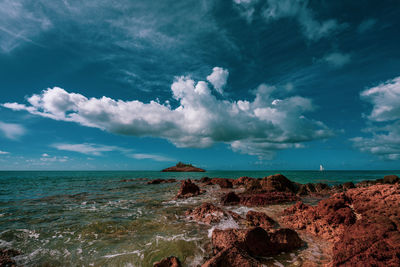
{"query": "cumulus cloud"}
(87, 148)
(12, 131)
(199, 120)
(384, 120)
(218, 78)
(337, 59)
(4, 152)
(311, 27)
(152, 157)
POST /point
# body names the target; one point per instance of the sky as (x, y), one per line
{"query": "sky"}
(224, 85)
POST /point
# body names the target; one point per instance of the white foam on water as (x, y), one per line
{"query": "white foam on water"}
(277, 263)
(30, 233)
(224, 224)
(176, 237)
(196, 261)
(4, 243)
(241, 210)
(136, 252)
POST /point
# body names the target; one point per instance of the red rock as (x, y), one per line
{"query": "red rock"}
(255, 218)
(242, 180)
(267, 198)
(168, 262)
(363, 222)
(188, 189)
(222, 239)
(348, 185)
(182, 167)
(253, 186)
(278, 182)
(232, 257)
(222, 182)
(285, 240)
(209, 214)
(205, 179)
(230, 199)
(6, 257)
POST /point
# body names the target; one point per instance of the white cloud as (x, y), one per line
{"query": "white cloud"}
(311, 27)
(88, 149)
(12, 131)
(218, 78)
(54, 159)
(200, 119)
(152, 157)
(4, 152)
(366, 25)
(337, 59)
(384, 121)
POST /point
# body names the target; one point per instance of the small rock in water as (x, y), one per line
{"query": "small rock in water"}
(168, 262)
(255, 218)
(188, 189)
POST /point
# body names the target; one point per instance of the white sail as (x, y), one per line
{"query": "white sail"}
(321, 168)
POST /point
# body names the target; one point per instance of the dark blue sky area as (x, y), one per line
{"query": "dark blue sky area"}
(234, 84)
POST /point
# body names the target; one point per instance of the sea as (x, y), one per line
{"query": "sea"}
(114, 218)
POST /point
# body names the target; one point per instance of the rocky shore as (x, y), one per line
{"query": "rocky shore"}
(360, 222)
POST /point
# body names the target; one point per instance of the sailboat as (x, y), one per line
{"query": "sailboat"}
(321, 168)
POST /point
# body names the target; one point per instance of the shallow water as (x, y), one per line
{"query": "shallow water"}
(97, 219)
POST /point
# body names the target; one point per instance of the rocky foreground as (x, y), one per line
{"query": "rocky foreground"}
(361, 221)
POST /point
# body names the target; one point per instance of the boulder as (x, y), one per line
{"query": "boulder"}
(252, 186)
(348, 185)
(391, 179)
(168, 262)
(188, 189)
(267, 198)
(222, 182)
(261, 219)
(278, 182)
(285, 240)
(241, 181)
(230, 199)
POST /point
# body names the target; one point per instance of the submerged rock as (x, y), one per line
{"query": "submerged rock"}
(6, 257)
(188, 189)
(161, 181)
(168, 262)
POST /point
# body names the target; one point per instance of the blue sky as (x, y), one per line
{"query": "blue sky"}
(233, 84)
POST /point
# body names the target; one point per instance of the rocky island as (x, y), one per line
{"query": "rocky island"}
(182, 167)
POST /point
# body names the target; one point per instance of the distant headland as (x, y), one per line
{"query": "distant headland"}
(182, 167)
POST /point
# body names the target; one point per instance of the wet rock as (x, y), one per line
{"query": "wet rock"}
(168, 262)
(391, 179)
(267, 198)
(348, 185)
(230, 199)
(285, 240)
(188, 189)
(6, 257)
(232, 257)
(222, 239)
(209, 214)
(161, 181)
(261, 219)
(278, 182)
(205, 180)
(222, 182)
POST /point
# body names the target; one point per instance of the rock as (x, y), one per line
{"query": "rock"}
(205, 180)
(391, 179)
(363, 223)
(230, 199)
(348, 185)
(261, 219)
(188, 189)
(306, 189)
(161, 181)
(232, 257)
(209, 214)
(242, 180)
(168, 262)
(267, 198)
(252, 186)
(182, 167)
(278, 182)
(222, 182)
(256, 241)
(285, 240)
(6, 257)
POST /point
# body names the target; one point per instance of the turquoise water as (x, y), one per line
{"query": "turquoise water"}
(114, 218)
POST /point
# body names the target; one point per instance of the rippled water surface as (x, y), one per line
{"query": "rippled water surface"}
(116, 219)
